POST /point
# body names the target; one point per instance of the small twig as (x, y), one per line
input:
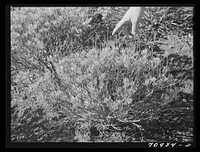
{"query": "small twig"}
(159, 42)
(115, 127)
(150, 93)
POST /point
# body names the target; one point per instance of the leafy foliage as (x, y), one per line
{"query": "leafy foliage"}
(73, 82)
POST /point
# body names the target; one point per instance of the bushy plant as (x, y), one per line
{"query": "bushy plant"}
(110, 85)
